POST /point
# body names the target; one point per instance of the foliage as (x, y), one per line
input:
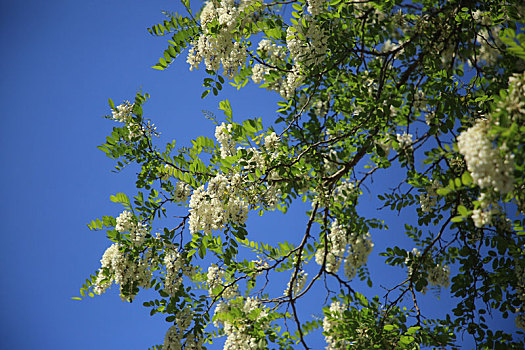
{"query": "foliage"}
(431, 92)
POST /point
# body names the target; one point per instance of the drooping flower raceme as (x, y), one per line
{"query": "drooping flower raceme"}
(127, 223)
(123, 269)
(243, 332)
(215, 283)
(122, 113)
(175, 265)
(219, 46)
(178, 337)
(223, 135)
(331, 321)
(488, 168)
(429, 198)
(337, 241)
(359, 249)
(212, 208)
(298, 285)
(405, 141)
(438, 274)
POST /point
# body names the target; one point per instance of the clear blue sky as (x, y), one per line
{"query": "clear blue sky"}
(61, 61)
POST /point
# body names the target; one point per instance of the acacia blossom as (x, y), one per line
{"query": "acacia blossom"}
(331, 321)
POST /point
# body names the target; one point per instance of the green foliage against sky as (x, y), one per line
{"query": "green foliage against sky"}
(431, 92)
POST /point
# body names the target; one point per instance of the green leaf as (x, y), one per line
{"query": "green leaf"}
(462, 210)
(466, 179)
(457, 218)
(227, 108)
(443, 191)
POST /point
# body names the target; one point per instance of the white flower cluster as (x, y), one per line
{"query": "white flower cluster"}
(122, 269)
(337, 241)
(223, 135)
(298, 285)
(218, 205)
(490, 44)
(275, 55)
(271, 141)
(345, 192)
(429, 199)
(405, 141)
(483, 215)
(520, 321)
(315, 7)
(488, 168)
(175, 336)
(438, 274)
(221, 48)
(359, 249)
(514, 102)
(311, 51)
(385, 144)
(241, 331)
(271, 52)
(330, 324)
(175, 269)
(214, 280)
(122, 113)
(137, 231)
(182, 192)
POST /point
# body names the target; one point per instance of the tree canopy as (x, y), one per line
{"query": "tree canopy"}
(430, 93)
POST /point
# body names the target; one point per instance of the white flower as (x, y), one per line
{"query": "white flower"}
(240, 330)
(488, 168)
(405, 141)
(315, 7)
(337, 242)
(330, 323)
(174, 264)
(137, 231)
(223, 136)
(359, 249)
(122, 113)
(122, 269)
(298, 285)
(182, 192)
(271, 141)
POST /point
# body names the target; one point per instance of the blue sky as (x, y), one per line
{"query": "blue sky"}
(61, 61)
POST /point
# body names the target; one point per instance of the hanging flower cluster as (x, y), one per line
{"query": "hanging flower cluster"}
(215, 283)
(438, 274)
(405, 141)
(243, 332)
(122, 113)
(331, 321)
(429, 198)
(337, 241)
(176, 268)
(127, 223)
(298, 284)
(213, 208)
(519, 272)
(217, 45)
(359, 247)
(488, 168)
(174, 339)
(514, 102)
(123, 269)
